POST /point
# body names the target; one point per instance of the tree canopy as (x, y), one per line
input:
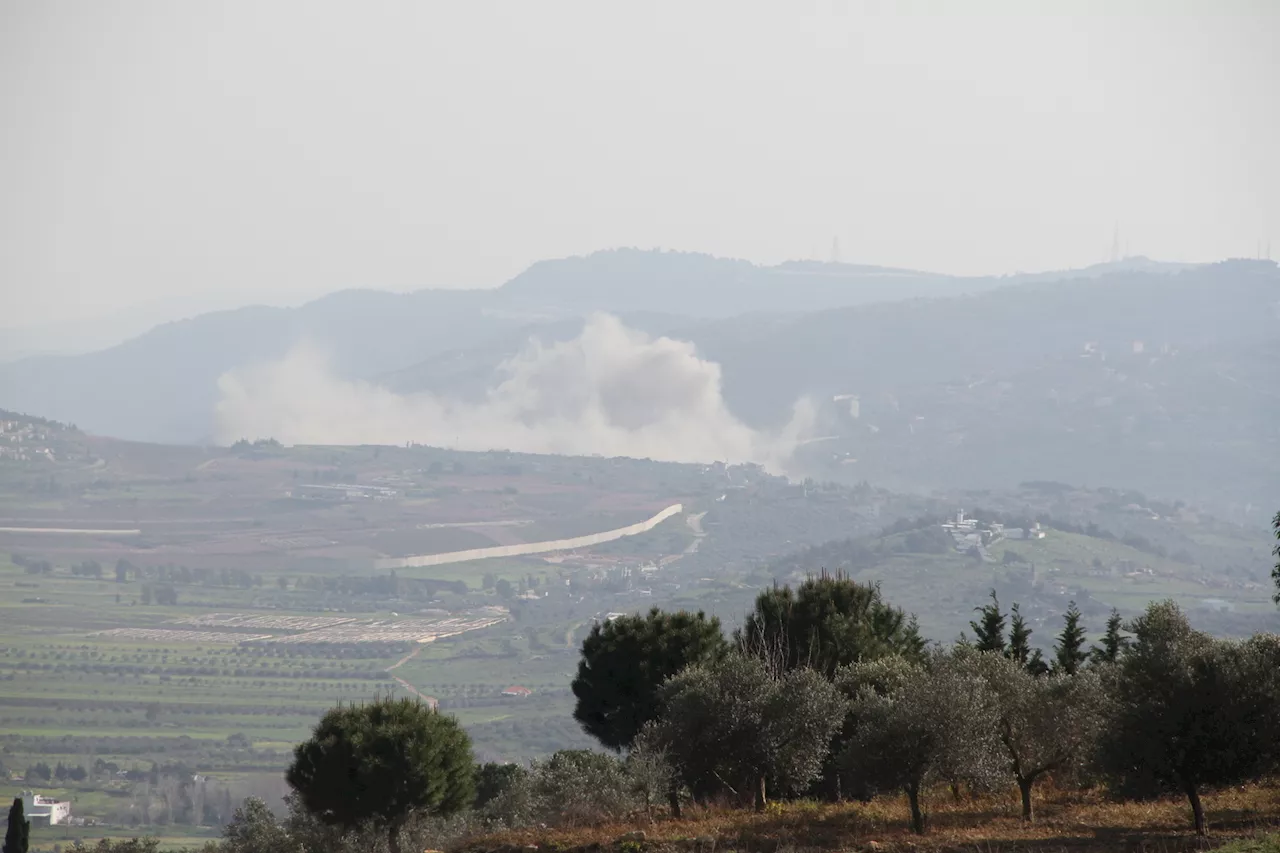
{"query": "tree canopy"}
(1191, 710)
(254, 829)
(1045, 723)
(624, 662)
(381, 762)
(933, 726)
(741, 725)
(829, 621)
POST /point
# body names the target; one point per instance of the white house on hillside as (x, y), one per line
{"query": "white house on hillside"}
(45, 811)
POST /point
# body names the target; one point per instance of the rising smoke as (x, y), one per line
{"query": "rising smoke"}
(611, 391)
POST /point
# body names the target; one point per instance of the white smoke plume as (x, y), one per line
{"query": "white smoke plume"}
(611, 391)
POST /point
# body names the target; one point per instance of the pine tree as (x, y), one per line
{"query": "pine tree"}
(1069, 655)
(1113, 644)
(624, 662)
(989, 629)
(18, 836)
(827, 622)
(381, 762)
(1019, 650)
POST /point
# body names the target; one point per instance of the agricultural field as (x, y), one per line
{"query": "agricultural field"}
(163, 716)
(155, 678)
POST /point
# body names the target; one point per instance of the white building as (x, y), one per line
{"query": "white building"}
(45, 811)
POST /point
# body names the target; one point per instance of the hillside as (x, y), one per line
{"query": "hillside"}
(1127, 379)
(161, 386)
(1102, 549)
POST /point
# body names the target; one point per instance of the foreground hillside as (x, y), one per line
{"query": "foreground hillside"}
(1242, 820)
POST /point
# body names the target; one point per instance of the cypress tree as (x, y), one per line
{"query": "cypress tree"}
(989, 629)
(18, 836)
(1019, 638)
(1069, 655)
(1020, 651)
(1037, 666)
(1113, 645)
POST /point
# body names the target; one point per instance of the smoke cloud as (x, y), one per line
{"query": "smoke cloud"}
(611, 391)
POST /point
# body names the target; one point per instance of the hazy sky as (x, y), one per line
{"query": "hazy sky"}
(226, 152)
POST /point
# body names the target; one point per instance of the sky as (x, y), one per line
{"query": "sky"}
(173, 157)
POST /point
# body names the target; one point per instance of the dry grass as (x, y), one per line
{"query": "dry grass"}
(1065, 822)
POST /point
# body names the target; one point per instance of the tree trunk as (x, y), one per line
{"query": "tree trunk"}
(917, 819)
(1024, 785)
(761, 799)
(673, 799)
(1197, 809)
(955, 791)
(393, 838)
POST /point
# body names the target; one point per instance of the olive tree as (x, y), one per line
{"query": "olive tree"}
(254, 829)
(1044, 724)
(933, 726)
(650, 771)
(1191, 710)
(740, 725)
(579, 787)
(381, 763)
(881, 676)
(493, 780)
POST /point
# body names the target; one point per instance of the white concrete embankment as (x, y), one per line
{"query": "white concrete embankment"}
(69, 531)
(528, 548)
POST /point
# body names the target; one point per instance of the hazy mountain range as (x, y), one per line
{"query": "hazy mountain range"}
(1148, 375)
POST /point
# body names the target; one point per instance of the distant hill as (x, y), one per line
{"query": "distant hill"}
(1100, 548)
(887, 347)
(1128, 378)
(948, 371)
(162, 386)
(625, 280)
